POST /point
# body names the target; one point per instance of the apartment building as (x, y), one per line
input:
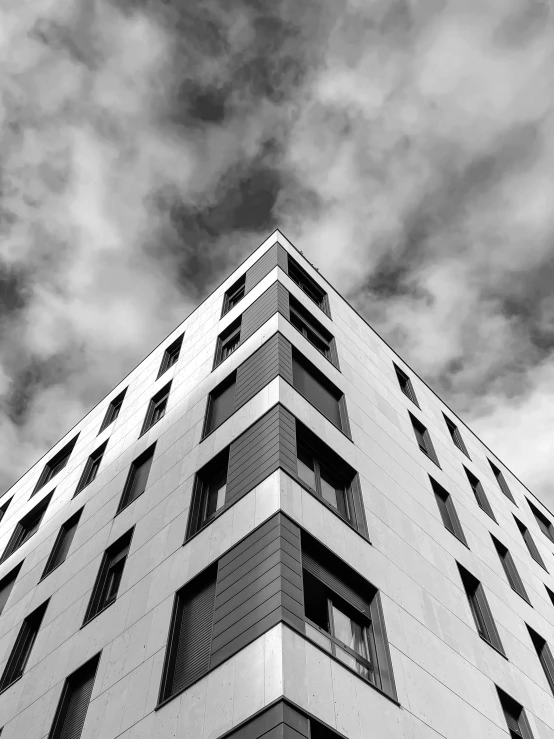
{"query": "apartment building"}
(273, 528)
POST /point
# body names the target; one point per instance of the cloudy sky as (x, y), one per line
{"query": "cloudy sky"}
(406, 146)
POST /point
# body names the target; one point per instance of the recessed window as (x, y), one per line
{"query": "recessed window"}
(55, 465)
(6, 585)
(109, 577)
(137, 479)
(510, 569)
(516, 720)
(311, 329)
(171, 355)
(209, 492)
(221, 404)
(448, 511)
(480, 609)
(530, 543)
(234, 294)
(548, 592)
(301, 278)
(318, 390)
(189, 645)
(544, 523)
(74, 701)
(405, 384)
(319, 731)
(228, 341)
(456, 436)
(62, 544)
(17, 661)
(501, 480)
(91, 467)
(545, 656)
(26, 528)
(156, 408)
(4, 507)
(423, 439)
(479, 493)
(113, 411)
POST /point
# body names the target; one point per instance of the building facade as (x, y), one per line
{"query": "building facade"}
(272, 527)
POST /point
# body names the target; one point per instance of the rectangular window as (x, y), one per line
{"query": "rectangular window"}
(516, 720)
(343, 615)
(4, 508)
(6, 585)
(208, 496)
(171, 355)
(301, 278)
(109, 577)
(311, 329)
(55, 465)
(17, 661)
(228, 341)
(423, 439)
(74, 701)
(405, 384)
(26, 528)
(113, 411)
(529, 543)
(509, 566)
(137, 479)
(456, 435)
(544, 654)
(544, 524)
(480, 610)
(501, 480)
(319, 391)
(156, 408)
(448, 511)
(61, 547)
(234, 295)
(188, 652)
(91, 468)
(221, 404)
(479, 493)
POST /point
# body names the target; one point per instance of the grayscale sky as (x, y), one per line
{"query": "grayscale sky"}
(406, 146)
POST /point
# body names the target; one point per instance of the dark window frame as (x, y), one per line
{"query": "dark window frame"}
(501, 481)
(157, 408)
(90, 667)
(544, 654)
(479, 494)
(234, 294)
(310, 328)
(228, 342)
(549, 592)
(23, 646)
(448, 511)
(543, 522)
(480, 609)
(9, 580)
(55, 465)
(455, 435)
(4, 507)
(308, 285)
(405, 384)
(171, 355)
(317, 377)
(104, 593)
(510, 569)
(135, 465)
(52, 562)
(20, 533)
(514, 715)
(91, 468)
(530, 543)
(214, 394)
(198, 517)
(425, 445)
(113, 410)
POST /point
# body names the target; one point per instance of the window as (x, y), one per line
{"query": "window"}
(509, 566)
(4, 508)
(6, 586)
(188, 653)
(544, 654)
(480, 610)
(405, 384)
(516, 720)
(17, 661)
(529, 543)
(234, 295)
(479, 493)
(60, 550)
(423, 439)
(501, 480)
(319, 731)
(329, 477)
(311, 329)
(109, 577)
(156, 408)
(137, 479)
(227, 341)
(316, 388)
(456, 435)
(548, 592)
(544, 524)
(343, 615)
(221, 404)
(309, 286)
(171, 355)
(447, 510)
(27, 527)
(91, 467)
(55, 465)
(75, 698)
(209, 492)
(113, 410)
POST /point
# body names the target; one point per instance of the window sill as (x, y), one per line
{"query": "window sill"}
(317, 409)
(144, 431)
(523, 597)
(50, 571)
(435, 461)
(329, 359)
(491, 645)
(13, 682)
(105, 608)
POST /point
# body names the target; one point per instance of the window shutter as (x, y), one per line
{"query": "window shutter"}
(334, 583)
(73, 707)
(513, 724)
(313, 386)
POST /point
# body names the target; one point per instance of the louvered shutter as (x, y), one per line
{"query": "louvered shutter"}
(73, 709)
(513, 724)
(337, 585)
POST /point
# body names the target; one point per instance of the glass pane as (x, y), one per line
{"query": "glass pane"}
(316, 390)
(216, 497)
(222, 405)
(349, 660)
(139, 479)
(349, 632)
(334, 493)
(318, 637)
(306, 470)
